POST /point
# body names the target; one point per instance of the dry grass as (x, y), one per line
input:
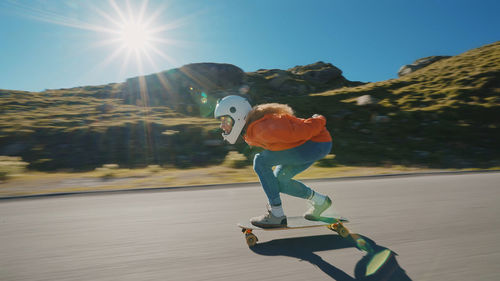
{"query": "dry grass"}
(114, 178)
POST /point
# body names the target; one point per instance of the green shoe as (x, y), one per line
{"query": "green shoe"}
(314, 213)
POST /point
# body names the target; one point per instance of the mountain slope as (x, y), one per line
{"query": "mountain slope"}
(444, 115)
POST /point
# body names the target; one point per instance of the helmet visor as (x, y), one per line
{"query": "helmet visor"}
(226, 124)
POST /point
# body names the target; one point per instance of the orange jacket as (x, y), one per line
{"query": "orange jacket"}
(279, 132)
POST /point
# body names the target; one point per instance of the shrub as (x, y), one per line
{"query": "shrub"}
(327, 161)
(236, 160)
(11, 165)
(108, 171)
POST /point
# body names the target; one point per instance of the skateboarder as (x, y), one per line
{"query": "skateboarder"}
(291, 144)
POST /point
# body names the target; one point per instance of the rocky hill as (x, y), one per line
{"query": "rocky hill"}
(444, 113)
(183, 88)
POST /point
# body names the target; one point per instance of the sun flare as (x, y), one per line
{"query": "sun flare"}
(134, 33)
(135, 36)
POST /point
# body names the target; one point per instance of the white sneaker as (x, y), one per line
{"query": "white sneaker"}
(269, 220)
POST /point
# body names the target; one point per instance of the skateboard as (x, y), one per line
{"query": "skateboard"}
(334, 224)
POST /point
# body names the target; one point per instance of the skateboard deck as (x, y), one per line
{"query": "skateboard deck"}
(295, 222)
(335, 224)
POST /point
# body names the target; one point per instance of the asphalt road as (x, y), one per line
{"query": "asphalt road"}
(443, 227)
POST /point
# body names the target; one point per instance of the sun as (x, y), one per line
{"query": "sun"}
(135, 36)
(135, 33)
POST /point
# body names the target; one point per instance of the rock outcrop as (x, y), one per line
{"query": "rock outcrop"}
(366, 100)
(212, 76)
(418, 64)
(182, 88)
(319, 72)
(179, 88)
(299, 80)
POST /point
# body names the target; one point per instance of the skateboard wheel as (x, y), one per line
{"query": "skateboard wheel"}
(251, 239)
(340, 229)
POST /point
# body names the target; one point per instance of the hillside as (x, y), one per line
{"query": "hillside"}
(446, 114)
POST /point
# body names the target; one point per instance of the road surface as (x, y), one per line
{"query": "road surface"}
(443, 227)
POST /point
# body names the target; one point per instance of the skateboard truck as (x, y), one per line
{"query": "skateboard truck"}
(250, 237)
(339, 228)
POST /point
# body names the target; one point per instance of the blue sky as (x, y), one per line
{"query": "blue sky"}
(53, 44)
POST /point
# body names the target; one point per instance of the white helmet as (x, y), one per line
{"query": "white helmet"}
(237, 108)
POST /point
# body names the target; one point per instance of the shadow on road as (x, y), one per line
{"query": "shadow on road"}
(304, 248)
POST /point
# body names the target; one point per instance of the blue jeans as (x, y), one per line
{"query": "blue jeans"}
(288, 163)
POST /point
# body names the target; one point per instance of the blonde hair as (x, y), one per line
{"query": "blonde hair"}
(260, 110)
